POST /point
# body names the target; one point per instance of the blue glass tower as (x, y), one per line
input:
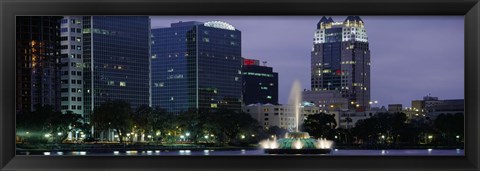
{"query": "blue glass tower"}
(196, 65)
(116, 60)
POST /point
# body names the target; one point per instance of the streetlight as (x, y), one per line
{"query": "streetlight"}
(47, 135)
(187, 134)
(59, 134)
(243, 136)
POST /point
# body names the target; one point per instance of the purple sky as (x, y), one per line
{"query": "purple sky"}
(412, 56)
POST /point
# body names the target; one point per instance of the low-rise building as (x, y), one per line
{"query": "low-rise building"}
(283, 116)
(326, 100)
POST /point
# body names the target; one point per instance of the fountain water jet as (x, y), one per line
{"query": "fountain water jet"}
(297, 142)
(295, 100)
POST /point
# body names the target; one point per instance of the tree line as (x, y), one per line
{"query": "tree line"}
(390, 129)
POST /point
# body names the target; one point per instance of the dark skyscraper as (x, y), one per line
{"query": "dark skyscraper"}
(341, 60)
(196, 65)
(37, 55)
(260, 83)
(116, 60)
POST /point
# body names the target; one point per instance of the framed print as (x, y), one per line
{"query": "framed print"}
(239, 85)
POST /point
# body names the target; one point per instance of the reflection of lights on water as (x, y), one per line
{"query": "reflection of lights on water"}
(116, 152)
(60, 153)
(458, 151)
(429, 150)
(79, 153)
(185, 152)
(336, 149)
(206, 152)
(384, 152)
(46, 153)
(243, 151)
(157, 151)
(131, 152)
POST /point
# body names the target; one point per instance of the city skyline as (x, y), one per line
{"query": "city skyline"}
(436, 68)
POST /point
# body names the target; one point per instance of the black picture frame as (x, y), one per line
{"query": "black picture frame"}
(11, 8)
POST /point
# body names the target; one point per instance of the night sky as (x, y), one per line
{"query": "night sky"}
(411, 56)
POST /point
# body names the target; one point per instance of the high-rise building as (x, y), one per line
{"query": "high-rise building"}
(341, 60)
(116, 60)
(196, 65)
(37, 66)
(71, 64)
(260, 83)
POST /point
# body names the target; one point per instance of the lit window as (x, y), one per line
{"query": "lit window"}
(213, 105)
(123, 84)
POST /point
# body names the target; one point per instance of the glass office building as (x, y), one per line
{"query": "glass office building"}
(37, 67)
(260, 83)
(116, 60)
(196, 65)
(341, 60)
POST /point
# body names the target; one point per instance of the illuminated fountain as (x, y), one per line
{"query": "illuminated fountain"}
(296, 142)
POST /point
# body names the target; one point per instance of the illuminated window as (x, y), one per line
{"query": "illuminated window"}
(213, 105)
(123, 84)
(111, 82)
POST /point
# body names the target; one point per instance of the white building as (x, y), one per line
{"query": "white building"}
(71, 64)
(282, 116)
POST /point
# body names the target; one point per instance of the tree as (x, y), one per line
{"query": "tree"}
(115, 114)
(45, 120)
(320, 125)
(449, 126)
(162, 122)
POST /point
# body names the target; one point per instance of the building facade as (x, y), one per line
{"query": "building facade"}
(71, 37)
(260, 83)
(340, 60)
(282, 116)
(395, 108)
(432, 107)
(196, 65)
(326, 100)
(116, 60)
(37, 67)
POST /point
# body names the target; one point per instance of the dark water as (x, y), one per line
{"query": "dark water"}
(256, 152)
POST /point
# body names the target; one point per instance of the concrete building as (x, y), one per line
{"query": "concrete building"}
(432, 107)
(327, 100)
(282, 116)
(395, 108)
(71, 38)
